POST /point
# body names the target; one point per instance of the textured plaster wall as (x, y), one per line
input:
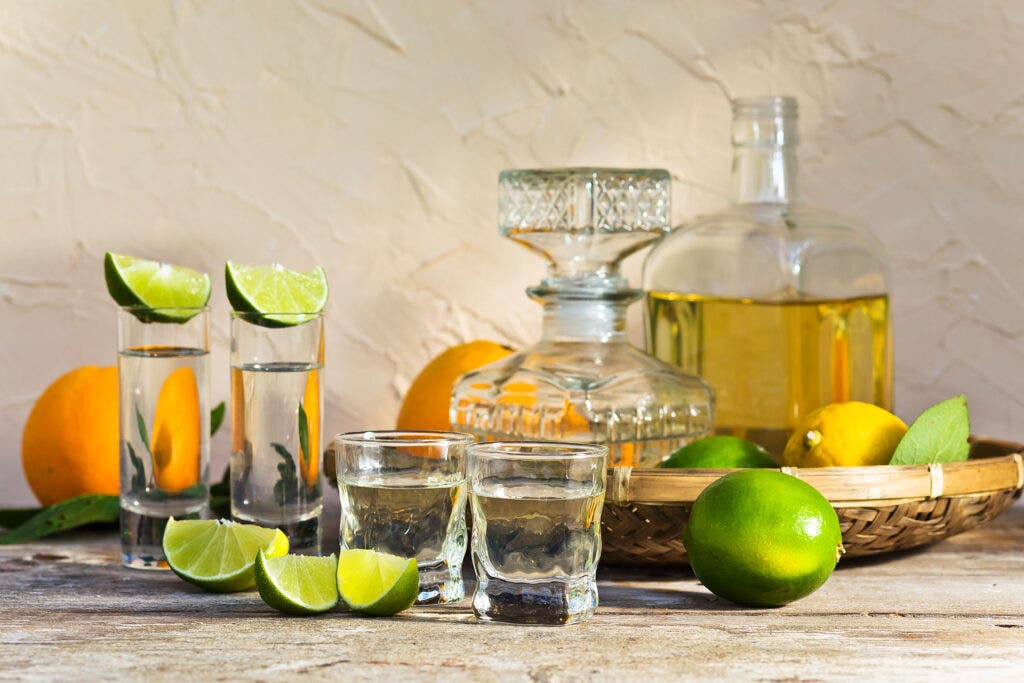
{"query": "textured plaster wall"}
(367, 137)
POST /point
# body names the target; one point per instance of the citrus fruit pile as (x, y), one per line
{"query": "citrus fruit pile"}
(224, 556)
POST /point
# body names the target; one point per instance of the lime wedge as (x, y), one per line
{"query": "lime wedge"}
(175, 291)
(377, 583)
(297, 584)
(218, 554)
(283, 297)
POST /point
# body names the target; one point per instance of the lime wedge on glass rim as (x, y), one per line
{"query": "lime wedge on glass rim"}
(377, 583)
(280, 296)
(297, 584)
(161, 292)
(218, 554)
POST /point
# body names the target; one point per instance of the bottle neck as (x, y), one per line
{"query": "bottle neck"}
(570, 319)
(764, 151)
(763, 175)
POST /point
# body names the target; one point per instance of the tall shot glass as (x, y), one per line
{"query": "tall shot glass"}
(276, 403)
(536, 530)
(404, 493)
(163, 364)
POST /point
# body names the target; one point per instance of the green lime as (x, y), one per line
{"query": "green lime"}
(175, 291)
(297, 584)
(282, 297)
(762, 538)
(377, 583)
(723, 452)
(218, 554)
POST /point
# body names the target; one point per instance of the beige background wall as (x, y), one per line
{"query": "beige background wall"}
(367, 137)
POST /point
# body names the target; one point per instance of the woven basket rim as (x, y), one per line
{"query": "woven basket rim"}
(874, 485)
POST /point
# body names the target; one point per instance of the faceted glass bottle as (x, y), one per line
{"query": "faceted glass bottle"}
(584, 382)
(781, 307)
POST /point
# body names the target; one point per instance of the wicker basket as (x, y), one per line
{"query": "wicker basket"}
(881, 509)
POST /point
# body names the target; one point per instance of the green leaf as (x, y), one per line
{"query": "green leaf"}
(222, 487)
(142, 429)
(286, 489)
(139, 482)
(12, 517)
(939, 434)
(220, 495)
(303, 435)
(216, 418)
(72, 513)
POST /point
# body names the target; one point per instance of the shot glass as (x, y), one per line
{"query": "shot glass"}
(536, 530)
(276, 402)
(404, 493)
(163, 364)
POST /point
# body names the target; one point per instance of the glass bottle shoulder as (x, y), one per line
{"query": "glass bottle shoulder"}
(769, 252)
(583, 367)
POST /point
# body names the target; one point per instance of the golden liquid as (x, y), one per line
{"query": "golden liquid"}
(772, 362)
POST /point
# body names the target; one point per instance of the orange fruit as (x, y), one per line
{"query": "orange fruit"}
(427, 401)
(177, 426)
(309, 463)
(70, 442)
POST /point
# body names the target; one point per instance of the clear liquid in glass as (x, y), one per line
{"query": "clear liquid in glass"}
(275, 452)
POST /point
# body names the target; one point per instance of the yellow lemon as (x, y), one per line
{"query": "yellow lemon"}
(426, 403)
(846, 434)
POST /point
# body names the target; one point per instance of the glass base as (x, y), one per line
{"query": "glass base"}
(142, 538)
(305, 536)
(551, 603)
(440, 584)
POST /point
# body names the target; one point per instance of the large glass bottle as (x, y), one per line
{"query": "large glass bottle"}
(583, 381)
(781, 307)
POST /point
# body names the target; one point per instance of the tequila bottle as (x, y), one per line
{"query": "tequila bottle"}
(781, 307)
(583, 382)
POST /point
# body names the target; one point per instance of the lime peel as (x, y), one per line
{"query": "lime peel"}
(155, 291)
(219, 555)
(297, 584)
(278, 297)
(377, 583)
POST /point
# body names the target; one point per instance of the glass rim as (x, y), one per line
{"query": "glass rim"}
(765, 105)
(539, 450)
(263, 314)
(403, 437)
(142, 308)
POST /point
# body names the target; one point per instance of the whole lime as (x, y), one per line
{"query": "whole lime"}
(762, 538)
(725, 452)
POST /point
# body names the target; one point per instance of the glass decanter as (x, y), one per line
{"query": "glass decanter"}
(584, 382)
(780, 306)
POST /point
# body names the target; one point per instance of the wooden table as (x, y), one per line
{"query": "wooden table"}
(956, 610)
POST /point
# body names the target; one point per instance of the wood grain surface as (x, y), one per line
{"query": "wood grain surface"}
(953, 611)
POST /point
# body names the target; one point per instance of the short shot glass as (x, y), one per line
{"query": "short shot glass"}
(536, 510)
(404, 493)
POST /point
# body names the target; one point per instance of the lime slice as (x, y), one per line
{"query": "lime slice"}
(175, 290)
(297, 584)
(377, 583)
(218, 554)
(283, 297)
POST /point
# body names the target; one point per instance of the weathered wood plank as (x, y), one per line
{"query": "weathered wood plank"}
(67, 610)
